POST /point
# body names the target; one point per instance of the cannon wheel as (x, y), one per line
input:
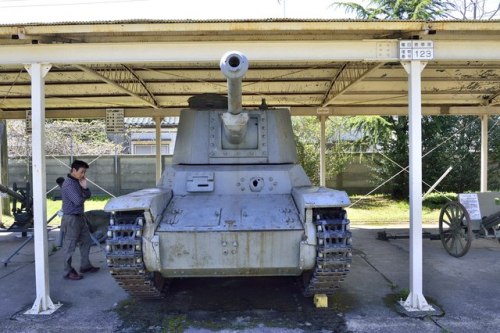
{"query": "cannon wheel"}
(455, 229)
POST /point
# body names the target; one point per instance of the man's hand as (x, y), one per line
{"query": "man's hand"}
(83, 183)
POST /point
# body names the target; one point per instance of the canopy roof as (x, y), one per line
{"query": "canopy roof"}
(151, 68)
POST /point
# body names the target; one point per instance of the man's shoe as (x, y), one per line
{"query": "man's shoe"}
(73, 275)
(90, 269)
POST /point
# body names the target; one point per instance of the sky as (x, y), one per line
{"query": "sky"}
(49, 11)
(25, 11)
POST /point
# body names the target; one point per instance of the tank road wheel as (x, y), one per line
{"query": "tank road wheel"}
(455, 229)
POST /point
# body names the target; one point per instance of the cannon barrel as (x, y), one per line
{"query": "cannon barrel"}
(491, 221)
(234, 66)
(13, 194)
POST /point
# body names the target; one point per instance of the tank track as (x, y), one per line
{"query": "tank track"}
(125, 257)
(333, 252)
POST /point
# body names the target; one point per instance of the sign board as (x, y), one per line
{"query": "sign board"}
(471, 203)
(115, 121)
(416, 50)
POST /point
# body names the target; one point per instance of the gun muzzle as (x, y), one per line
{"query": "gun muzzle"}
(234, 66)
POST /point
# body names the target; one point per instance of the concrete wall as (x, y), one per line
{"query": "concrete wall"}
(356, 179)
(117, 175)
(123, 174)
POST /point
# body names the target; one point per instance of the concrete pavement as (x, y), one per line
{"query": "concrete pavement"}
(465, 290)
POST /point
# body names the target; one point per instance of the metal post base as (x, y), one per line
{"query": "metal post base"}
(43, 306)
(416, 306)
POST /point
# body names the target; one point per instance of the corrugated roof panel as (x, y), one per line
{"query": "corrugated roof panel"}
(149, 122)
(268, 20)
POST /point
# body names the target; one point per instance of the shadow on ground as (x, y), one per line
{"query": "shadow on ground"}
(230, 304)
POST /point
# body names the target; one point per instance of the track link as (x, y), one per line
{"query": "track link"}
(333, 253)
(125, 257)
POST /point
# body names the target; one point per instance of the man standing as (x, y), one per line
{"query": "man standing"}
(75, 231)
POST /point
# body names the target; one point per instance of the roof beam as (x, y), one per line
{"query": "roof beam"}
(295, 111)
(297, 50)
(124, 79)
(347, 76)
(198, 51)
(494, 99)
(397, 110)
(94, 113)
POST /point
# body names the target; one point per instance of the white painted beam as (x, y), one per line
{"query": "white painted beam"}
(158, 147)
(484, 154)
(322, 151)
(197, 51)
(43, 304)
(416, 300)
(349, 50)
(463, 50)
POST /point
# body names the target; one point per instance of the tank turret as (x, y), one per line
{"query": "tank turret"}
(234, 202)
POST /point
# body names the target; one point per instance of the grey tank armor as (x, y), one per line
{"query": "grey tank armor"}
(234, 202)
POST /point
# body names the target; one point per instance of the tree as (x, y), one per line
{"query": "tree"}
(446, 141)
(462, 150)
(397, 9)
(343, 138)
(395, 157)
(475, 9)
(63, 137)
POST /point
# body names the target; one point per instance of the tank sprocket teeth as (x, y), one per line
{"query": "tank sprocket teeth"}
(334, 254)
(125, 257)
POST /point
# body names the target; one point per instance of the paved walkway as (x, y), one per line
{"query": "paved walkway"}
(465, 290)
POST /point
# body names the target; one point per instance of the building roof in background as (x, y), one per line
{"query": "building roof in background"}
(149, 122)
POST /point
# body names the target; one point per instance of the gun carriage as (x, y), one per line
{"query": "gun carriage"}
(22, 211)
(474, 215)
(22, 207)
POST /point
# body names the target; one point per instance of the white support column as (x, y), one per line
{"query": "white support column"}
(484, 154)
(158, 148)
(43, 304)
(322, 151)
(416, 300)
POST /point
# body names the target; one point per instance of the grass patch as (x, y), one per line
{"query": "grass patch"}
(382, 209)
(374, 209)
(174, 323)
(53, 206)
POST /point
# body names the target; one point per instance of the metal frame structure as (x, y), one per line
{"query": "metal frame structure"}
(359, 47)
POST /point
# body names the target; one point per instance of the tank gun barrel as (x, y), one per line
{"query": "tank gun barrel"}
(234, 66)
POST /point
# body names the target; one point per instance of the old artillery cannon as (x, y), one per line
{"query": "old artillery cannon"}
(22, 207)
(22, 210)
(474, 215)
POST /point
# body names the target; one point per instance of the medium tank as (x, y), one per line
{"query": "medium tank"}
(234, 202)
